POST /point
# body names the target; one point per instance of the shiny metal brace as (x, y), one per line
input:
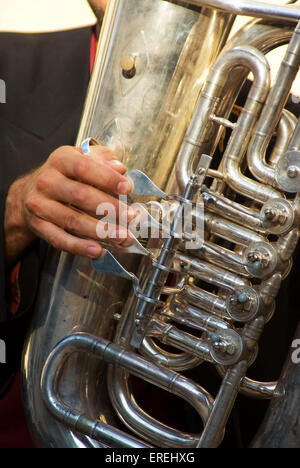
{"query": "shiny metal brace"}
(143, 185)
(109, 265)
(255, 9)
(136, 247)
(92, 302)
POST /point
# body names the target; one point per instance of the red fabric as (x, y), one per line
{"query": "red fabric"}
(94, 44)
(15, 291)
(14, 432)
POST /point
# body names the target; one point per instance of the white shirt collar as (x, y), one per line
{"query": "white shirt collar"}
(33, 16)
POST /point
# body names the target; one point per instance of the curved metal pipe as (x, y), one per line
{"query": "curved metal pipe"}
(265, 38)
(254, 388)
(222, 257)
(235, 151)
(232, 211)
(211, 273)
(214, 320)
(196, 136)
(272, 111)
(295, 141)
(173, 336)
(114, 354)
(229, 231)
(72, 418)
(206, 301)
(142, 423)
(211, 436)
(176, 362)
(255, 9)
(285, 132)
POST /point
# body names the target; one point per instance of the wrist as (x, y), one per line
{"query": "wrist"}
(18, 236)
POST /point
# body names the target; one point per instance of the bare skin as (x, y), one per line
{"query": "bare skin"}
(98, 6)
(58, 201)
(101, 4)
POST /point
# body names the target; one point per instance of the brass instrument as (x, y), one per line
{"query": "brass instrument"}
(163, 91)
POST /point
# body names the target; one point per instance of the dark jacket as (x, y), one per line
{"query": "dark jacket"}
(46, 78)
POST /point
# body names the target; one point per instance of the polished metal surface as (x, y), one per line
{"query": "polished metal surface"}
(163, 90)
(253, 8)
(281, 428)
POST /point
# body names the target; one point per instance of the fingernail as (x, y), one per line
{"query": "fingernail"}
(94, 252)
(115, 163)
(124, 187)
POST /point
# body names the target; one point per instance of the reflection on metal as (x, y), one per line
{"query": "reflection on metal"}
(2, 352)
(144, 186)
(179, 303)
(253, 8)
(2, 92)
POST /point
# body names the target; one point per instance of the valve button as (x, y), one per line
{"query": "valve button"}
(128, 66)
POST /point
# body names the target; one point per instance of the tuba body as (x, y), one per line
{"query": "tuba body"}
(182, 311)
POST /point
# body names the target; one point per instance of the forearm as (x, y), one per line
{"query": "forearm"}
(18, 237)
(56, 203)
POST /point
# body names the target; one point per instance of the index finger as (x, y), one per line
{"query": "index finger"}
(103, 154)
(73, 164)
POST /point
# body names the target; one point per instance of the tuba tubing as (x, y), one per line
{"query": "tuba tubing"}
(103, 329)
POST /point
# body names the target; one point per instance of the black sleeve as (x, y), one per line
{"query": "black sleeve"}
(13, 328)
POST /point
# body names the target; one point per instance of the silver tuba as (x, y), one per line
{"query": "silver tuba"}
(173, 310)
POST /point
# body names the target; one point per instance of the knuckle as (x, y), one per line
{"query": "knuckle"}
(55, 157)
(35, 224)
(32, 203)
(81, 167)
(55, 241)
(72, 223)
(59, 155)
(79, 195)
(44, 182)
(105, 153)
